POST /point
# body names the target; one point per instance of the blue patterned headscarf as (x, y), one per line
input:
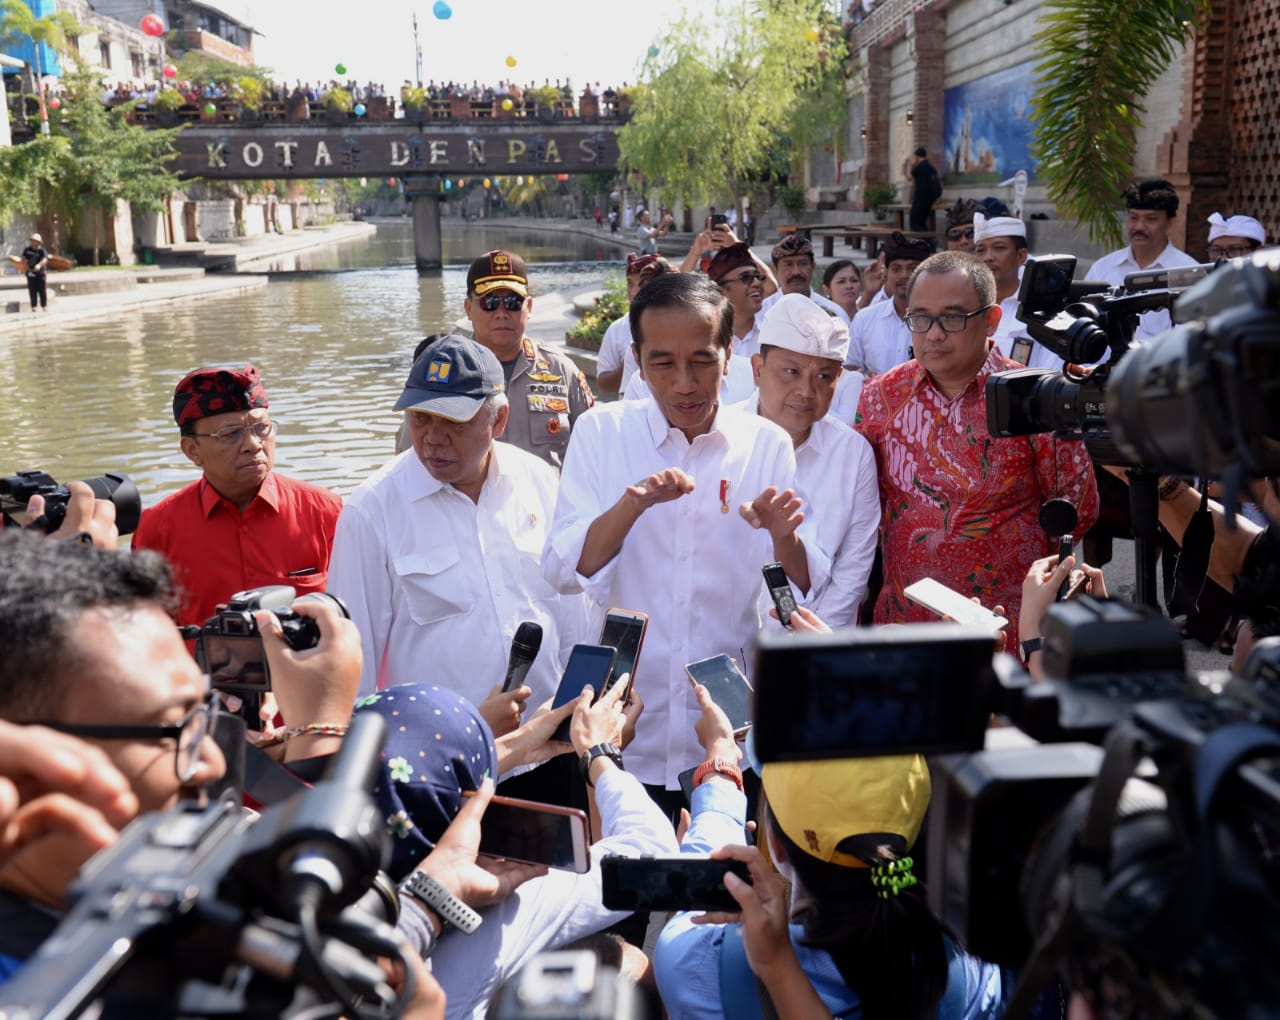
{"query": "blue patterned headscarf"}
(438, 745)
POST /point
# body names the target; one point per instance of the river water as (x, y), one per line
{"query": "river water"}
(333, 334)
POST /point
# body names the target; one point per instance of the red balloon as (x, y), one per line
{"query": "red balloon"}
(169, 71)
(55, 103)
(152, 26)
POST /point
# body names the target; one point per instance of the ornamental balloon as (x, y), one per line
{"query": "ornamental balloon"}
(360, 110)
(442, 10)
(210, 109)
(812, 35)
(653, 51)
(488, 183)
(55, 103)
(448, 185)
(339, 68)
(511, 61)
(507, 104)
(151, 25)
(169, 71)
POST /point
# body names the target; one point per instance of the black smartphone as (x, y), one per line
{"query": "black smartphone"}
(685, 779)
(718, 220)
(1065, 545)
(685, 882)
(587, 665)
(858, 692)
(727, 686)
(536, 833)
(784, 599)
(624, 629)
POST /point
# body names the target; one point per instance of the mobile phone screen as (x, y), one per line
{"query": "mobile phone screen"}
(727, 686)
(535, 834)
(624, 632)
(588, 664)
(686, 882)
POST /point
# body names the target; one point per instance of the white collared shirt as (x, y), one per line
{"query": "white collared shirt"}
(438, 584)
(616, 350)
(1012, 328)
(836, 469)
(1112, 268)
(817, 297)
(878, 339)
(735, 385)
(692, 564)
(745, 346)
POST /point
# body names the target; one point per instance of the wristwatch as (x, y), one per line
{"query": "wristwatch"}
(447, 907)
(717, 766)
(599, 751)
(1030, 646)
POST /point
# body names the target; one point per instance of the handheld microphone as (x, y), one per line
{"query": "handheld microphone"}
(524, 649)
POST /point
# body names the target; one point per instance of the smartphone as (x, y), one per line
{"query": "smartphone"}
(867, 691)
(624, 629)
(1075, 585)
(718, 220)
(685, 779)
(588, 664)
(684, 882)
(727, 686)
(535, 833)
(784, 599)
(942, 600)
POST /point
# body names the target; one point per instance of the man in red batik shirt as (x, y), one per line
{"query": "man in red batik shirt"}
(958, 504)
(240, 525)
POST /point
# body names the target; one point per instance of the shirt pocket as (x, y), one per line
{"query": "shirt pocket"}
(432, 583)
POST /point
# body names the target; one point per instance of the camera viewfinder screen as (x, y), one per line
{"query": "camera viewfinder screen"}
(868, 699)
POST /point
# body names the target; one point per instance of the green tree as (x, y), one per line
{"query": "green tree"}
(1098, 60)
(18, 21)
(718, 100)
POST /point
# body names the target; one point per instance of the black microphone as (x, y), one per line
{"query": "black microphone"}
(524, 649)
(1059, 518)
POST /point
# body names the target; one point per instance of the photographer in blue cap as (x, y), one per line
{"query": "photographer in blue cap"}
(438, 553)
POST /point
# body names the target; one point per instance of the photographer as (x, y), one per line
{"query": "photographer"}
(853, 936)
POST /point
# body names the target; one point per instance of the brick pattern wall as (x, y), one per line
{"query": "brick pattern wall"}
(876, 168)
(929, 47)
(1254, 109)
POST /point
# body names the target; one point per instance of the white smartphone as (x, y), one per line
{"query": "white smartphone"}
(728, 688)
(942, 600)
(535, 833)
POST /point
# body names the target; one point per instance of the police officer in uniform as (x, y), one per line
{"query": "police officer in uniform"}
(546, 390)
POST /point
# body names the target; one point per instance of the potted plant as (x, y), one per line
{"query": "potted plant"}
(167, 103)
(544, 97)
(249, 91)
(339, 104)
(414, 100)
(877, 194)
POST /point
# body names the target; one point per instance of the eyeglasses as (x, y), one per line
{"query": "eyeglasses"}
(1234, 252)
(189, 733)
(511, 302)
(960, 235)
(755, 276)
(232, 435)
(951, 322)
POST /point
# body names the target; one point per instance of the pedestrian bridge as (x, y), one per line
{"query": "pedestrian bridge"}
(229, 151)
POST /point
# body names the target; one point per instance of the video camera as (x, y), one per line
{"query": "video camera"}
(1157, 895)
(1199, 400)
(16, 492)
(208, 912)
(228, 646)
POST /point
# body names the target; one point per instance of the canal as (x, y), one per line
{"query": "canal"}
(333, 334)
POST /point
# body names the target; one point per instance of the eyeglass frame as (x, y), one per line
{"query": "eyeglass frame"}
(230, 435)
(938, 319)
(208, 708)
(961, 234)
(1235, 252)
(511, 302)
(755, 276)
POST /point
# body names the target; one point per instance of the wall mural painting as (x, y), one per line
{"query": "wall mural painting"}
(988, 127)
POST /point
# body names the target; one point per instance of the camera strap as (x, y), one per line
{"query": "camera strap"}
(1192, 565)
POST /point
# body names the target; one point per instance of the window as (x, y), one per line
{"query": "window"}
(104, 54)
(135, 59)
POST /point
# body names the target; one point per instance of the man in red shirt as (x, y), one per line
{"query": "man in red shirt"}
(240, 525)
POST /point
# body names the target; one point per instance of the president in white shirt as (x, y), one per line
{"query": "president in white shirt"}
(438, 553)
(671, 506)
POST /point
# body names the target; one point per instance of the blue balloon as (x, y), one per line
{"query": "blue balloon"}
(442, 10)
(448, 185)
(360, 110)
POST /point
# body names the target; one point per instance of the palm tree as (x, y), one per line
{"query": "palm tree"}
(18, 21)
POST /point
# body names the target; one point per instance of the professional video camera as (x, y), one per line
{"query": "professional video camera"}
(228, 646)
(1156, 896)
(16, 492)
(206, 912)
(1197, 400)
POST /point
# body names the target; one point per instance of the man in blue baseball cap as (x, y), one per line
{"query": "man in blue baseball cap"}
(437, 554)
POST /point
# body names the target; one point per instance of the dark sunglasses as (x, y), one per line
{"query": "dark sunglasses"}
(956, 235)
(511, 302)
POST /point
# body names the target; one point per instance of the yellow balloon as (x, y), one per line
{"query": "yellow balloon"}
(507, 104)
(812, 35)
(511, 61)
(488, 183)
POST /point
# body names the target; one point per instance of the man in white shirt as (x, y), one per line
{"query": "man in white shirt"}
(793, 265)
(1001, 243)
(878, 337)
(437, 554)
(616, 361)
(671, 506)
(1152, 205)
(741, 281)
(797, 371)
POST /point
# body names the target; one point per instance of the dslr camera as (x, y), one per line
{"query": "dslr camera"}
(228, 645)
(16, 492)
